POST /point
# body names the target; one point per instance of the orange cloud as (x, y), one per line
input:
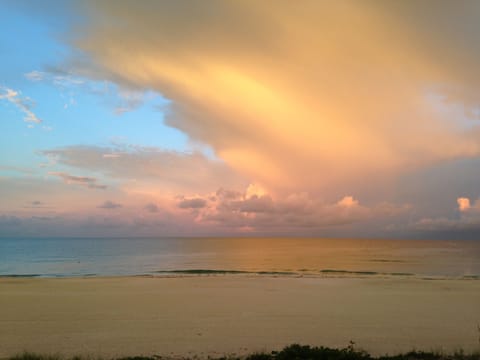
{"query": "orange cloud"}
(463, 204)
(304, 96)
(347, 202)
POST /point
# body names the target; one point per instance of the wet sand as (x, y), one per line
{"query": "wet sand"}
(213, 315)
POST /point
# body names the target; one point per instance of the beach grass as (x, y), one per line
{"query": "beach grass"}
(291, 352)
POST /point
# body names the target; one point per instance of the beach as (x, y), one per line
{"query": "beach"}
(234, 314)
(210, 180)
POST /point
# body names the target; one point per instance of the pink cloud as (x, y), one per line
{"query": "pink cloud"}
(463, 204)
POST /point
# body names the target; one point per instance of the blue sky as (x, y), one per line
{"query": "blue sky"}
(73, 110)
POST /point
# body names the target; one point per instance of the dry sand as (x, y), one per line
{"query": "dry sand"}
(212, 315)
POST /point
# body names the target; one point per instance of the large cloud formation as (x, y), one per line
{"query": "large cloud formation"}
(302, 95)
(359, 115)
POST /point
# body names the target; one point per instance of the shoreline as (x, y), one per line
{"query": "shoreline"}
(304, 273)
(209, 315)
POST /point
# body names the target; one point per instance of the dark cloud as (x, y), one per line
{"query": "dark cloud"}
(151, 208)
(228, 194)
(254, 204)
(42, 218)
(109, 205)
(78, 225)
(36, 204)
(88, 182)
(195, 203)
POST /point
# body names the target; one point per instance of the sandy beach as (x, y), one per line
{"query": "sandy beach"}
(212, 315)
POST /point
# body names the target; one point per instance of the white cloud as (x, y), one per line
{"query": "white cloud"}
(24, 104)
(129, 100)
(111, 155)
(121, 98)
(35, 75)
(255, 190)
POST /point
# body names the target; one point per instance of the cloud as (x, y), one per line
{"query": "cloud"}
(35, 75)
(130, 100)
(348, 202)
(255, 204)
(111, 156)
(24, 104)
(61, 79)
(36, 204)
(226, 211)
(468, 209)
(324, 115)
(152, 208)
(295, 212)
(150, 168)
(228, 194)
(444, 224)
(18, 193)
(73, 225)
(88, 182)
(194, 203)
(42, 218)
(282, 102)
(121, 98)
(463, 204)
(109, 205)
(467, 219)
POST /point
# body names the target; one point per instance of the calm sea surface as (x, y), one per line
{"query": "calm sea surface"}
(287, 256)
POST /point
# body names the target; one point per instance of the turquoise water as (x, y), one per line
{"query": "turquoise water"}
(63, 257)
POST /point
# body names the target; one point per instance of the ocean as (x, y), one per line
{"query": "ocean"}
(76, 257)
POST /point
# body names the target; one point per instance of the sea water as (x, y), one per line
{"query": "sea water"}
(65, 257)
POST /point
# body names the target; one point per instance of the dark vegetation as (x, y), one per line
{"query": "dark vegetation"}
(291, 352)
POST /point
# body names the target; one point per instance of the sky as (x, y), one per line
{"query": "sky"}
(240, 118)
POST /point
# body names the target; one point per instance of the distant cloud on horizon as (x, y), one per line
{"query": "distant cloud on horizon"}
(109, 205)
(152, 208)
